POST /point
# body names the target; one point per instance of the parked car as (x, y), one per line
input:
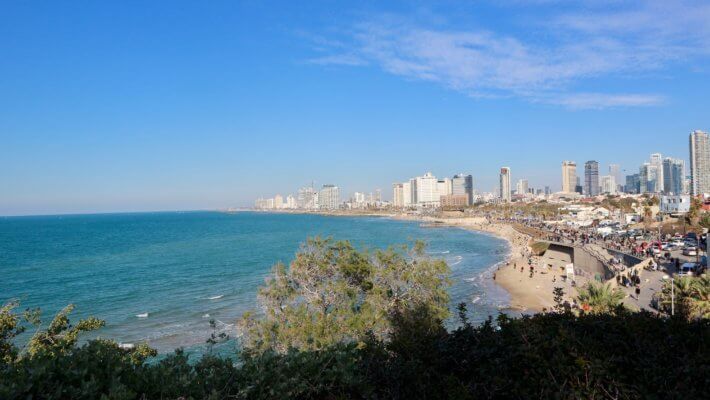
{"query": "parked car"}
(687, 269)
(690, 251)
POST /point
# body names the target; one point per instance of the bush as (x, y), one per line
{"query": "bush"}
(619, 355)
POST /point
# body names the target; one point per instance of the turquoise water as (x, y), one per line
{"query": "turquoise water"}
(181, 269)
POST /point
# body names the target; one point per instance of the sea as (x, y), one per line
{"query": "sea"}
(161, 277)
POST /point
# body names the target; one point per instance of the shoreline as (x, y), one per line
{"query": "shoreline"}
(527, 294)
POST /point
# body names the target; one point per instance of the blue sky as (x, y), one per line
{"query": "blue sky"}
(129, 106)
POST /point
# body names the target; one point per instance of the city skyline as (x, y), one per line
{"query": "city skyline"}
(105, 108)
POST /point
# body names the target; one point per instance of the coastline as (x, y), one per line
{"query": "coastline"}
(527, 294)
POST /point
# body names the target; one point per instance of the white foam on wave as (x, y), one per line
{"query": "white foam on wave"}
(215, 297)
(144, 315)
(470, 279)
(476, 300)
(206, 316)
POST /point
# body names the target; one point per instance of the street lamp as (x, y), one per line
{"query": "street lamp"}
(672, 296)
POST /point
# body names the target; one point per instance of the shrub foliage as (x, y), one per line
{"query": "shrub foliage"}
(611, 355)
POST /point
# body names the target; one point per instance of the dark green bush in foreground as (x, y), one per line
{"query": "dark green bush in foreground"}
(340, 324)
(546, 356)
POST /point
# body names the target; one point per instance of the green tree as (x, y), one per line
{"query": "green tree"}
(693, 214)
(691, 297)
(332, 293)
(598, 297)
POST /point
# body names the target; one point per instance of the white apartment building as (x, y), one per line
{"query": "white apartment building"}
(329, 197)
(569, 176)
(307, 198)
(443, 186)
(398, 194)
(406, 194)
(504, 188)
(699, 163)
(278, 201)
(657, 162)
(426, 190)
(522, 187)
(608, 184)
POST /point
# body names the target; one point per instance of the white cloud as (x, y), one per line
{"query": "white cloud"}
(601, 100)
(541, 64)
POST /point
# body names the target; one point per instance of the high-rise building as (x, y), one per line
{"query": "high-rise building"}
(699, 163)
(307, 198)
(426, 190)
(608, 184)
(522, 187)
(278, 201)
(505, 184)
(633, 183)
(290, 202)
(591, 178)
(443, 187)
(547, 191)
(462, 184)
(407, 194)
(569, 176)
(615, 172)
(329, 197)
(648, 178)
(657, 162)
(398, 195)
(673, 176)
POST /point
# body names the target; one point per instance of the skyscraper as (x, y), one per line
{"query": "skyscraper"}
(505, 184)
(407, 194)
(398, 195)
(608, 184)
(673, 176)
(522, 187)
(307, 198)
(648, 178)
(463, 184)
(657, 162)
(615, 172)
(632, 184)
(569, 176)
(426, 190)
(699, 163)
(443, 187)
(329, 197)
(591, 178)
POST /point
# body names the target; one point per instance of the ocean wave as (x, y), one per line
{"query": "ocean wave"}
(215, 297)
(143, 315)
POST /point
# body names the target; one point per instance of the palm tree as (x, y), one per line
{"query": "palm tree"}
(692, 296)
(600, 298)
(701, 297)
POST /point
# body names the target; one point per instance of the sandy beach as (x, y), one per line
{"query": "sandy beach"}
(527, 294)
